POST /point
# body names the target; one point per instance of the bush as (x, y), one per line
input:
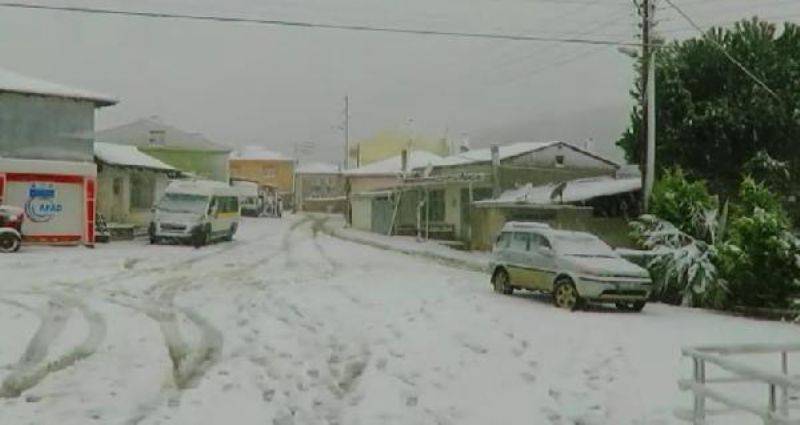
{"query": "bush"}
(680, 201)
(761, 270)
(683, 266)
(754, 196)
(704, 258)
(769, 171)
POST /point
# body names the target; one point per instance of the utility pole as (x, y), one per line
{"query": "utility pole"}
(646, 149)
(346, 132)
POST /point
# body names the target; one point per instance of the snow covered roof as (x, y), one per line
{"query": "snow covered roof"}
(16, 83)
(394, 165)
(259, 153)
(509, 151)
(201, 187)
(128, 156)
(485, 154)
(318, 168)
(574, 191)
(141, 132)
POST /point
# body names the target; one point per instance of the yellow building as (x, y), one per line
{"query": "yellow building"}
(264, 167)
(390, 143)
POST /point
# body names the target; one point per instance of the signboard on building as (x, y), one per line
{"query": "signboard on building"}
(57, 197)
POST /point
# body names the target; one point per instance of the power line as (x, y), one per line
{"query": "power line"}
(723, 49)
(305, 24)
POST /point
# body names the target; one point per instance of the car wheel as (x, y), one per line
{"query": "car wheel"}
(634, 306)
(565, 295)
(501, 284)
(9, 243)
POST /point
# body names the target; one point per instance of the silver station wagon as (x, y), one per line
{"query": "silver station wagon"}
(574, 266)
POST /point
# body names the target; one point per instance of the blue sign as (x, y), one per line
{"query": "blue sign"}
(41, 205)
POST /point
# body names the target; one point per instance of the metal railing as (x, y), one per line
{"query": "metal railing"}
(774, 410)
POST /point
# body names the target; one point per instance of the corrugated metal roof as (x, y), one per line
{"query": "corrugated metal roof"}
(318, 168)
(259, 153)
(394, 165)
(128, 156)
(477, 156)
(573, 191)
(13, 82)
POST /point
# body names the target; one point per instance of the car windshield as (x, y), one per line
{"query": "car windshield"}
(183, 203)
(583, 246)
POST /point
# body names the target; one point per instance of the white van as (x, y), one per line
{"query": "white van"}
(196, 212)
(250, 197)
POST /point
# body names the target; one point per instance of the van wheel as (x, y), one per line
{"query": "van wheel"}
(565, 295)
(9, 243)
(501, 284)
(203, 237)
(231, 232)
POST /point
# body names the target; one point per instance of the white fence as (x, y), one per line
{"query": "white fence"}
(774, 409)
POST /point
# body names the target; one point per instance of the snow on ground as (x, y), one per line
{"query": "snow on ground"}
(287, 325)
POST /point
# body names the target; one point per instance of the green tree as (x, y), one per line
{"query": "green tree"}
(681, 201)
(711, 117)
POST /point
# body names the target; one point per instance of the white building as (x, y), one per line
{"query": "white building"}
(47, 157)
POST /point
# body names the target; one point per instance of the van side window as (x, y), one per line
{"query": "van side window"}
(520, 242)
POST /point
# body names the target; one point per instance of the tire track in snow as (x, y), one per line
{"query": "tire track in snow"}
(190, 362)
(32, 368)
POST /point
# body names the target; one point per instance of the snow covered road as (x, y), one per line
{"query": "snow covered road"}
(287, 325)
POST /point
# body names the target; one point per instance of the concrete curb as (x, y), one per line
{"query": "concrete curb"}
(440, 258)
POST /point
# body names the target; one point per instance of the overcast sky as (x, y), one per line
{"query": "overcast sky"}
(244, 84)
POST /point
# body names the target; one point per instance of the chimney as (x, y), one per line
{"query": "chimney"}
(404, 161)
(495, 171)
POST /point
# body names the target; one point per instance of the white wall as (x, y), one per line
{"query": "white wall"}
(362, 213)
(37, 127)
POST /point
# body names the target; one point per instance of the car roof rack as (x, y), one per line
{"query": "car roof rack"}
(522, 225)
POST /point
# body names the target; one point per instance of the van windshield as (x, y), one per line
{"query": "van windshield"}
(183, 203)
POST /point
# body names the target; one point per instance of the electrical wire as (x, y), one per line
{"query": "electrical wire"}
(723, 49)
(305, 24)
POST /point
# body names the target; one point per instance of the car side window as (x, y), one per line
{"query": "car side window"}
(520, 242)
(539, 242)
(504, 240)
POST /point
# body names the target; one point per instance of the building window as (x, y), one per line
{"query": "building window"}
(116, 186)
(157, 137)
(268, 171)
(559, 161)
(437, 205)
(142, 188)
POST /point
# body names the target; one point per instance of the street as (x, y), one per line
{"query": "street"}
(287, 325)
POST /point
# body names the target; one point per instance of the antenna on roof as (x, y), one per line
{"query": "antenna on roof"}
(464, 144)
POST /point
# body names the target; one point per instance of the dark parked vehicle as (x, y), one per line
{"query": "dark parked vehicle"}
(11, 219)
